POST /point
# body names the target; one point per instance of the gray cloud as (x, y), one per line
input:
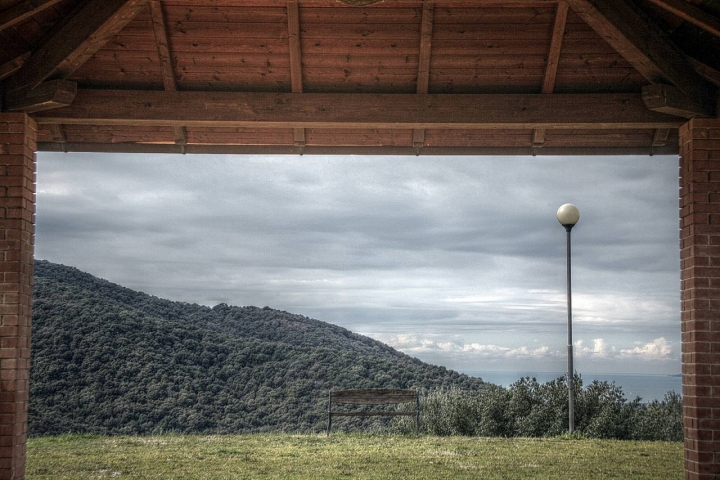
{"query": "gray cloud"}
(388, 246)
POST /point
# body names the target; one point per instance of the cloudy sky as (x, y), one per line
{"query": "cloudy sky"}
(459, 261)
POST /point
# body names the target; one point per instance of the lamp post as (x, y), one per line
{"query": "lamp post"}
(568, 215)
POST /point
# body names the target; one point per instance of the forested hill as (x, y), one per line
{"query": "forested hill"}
(110, 360)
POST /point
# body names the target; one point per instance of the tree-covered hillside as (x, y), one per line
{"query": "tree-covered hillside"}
(110, 360)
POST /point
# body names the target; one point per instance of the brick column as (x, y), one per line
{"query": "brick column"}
(17, 219)
(700, 273)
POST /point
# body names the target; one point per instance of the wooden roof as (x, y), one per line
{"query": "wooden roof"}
(331, 76)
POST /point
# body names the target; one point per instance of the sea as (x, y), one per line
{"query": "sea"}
(646, 386)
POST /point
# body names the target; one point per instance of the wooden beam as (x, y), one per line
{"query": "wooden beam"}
(47, 95)
(351, 150)
(660, 137)
(644, 45)
(85, 33)
(391, 111)
(12, 66)
(296, 81)
(670, 100)
(23, 11)
(423, 80)
(163, 48)
(691, 13)
(710, 74)
(553, 60)
(57, 133)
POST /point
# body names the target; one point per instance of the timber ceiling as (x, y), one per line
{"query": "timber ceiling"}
(326, 76)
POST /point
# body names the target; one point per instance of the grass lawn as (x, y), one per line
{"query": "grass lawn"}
(277, 456)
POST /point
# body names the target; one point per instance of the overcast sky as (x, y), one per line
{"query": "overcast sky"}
(459, 261)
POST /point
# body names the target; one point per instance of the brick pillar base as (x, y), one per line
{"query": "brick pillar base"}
(17, 219)
(700, 267)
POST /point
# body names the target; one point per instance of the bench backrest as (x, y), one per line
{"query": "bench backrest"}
(373, 396)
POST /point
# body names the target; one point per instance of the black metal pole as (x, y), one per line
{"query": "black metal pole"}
(571, 389)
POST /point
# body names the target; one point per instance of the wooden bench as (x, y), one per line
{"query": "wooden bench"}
(373, 396)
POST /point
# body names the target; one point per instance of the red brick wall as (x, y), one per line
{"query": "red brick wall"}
(700, 273)
(17, 220)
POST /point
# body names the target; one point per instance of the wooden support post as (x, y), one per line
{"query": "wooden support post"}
(17, 219)
(700, 273)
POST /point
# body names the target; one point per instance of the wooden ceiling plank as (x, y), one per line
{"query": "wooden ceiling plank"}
(22, 11)
(86, 32)
(644, 45)
(423, 79)
(691, 13)
(392, 111)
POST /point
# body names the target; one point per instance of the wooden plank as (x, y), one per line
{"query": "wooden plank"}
(643, 44)
(83, 34)
(691, 13)
(373, 396)
(314, 110)
(22, 11)
(375, 413)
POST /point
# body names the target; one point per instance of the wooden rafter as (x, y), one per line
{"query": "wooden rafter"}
(644, 45)
(553, 60)
(380, 111)
(691, 13)
(163, 47)
(23, 11)
(79, 38)
(423, 80)
(47, 95)
(296, 82)
(12, 66)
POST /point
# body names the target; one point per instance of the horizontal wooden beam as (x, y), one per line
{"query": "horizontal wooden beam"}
(91, 26)
(391, 111)
(46, 96)
(670, 100)
(59, 146)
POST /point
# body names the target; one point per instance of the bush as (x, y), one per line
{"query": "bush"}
(530, 409)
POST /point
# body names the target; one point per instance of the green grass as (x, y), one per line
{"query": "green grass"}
(279, 456)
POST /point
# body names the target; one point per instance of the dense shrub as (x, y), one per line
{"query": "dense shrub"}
(530, 409)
